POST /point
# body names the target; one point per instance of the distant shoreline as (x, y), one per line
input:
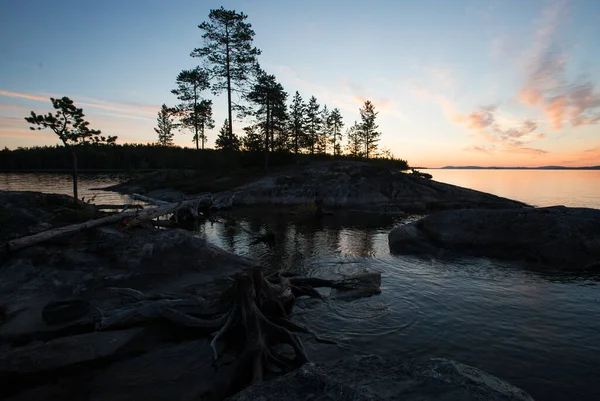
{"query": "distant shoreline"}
(513, 168)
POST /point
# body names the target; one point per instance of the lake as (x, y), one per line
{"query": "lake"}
(576, 188)
(540, 332)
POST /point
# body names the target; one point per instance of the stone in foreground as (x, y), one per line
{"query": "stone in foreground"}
(555, 237)
(371, 378)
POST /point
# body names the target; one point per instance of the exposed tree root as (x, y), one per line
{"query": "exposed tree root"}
(255, 312)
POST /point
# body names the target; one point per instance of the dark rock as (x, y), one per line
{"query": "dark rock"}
(65, 351)
(371, 378)
(555, 237)
(179, 372)
(25, 213)
(172, 372)
(147, 259)
(65, 311)
(354, 184)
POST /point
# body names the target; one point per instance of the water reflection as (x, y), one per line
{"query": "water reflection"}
(537, 330)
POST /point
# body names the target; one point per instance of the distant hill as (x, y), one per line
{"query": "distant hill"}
(521, 168)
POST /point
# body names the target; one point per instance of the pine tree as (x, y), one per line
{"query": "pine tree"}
(324, 131)
(269, 95)
(336, 124)
(355, 142)
(252, 140)
(281, 142)
(297, 119)
(229, 53)
(225, 141)
(195, 113)
(72, 129)
(313, 121)
(368, 128)
(165, 126)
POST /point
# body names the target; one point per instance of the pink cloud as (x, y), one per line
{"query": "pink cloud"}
(23, 96)
(546, 86)
(126, 108)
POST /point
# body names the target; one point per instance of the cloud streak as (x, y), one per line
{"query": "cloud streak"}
(124, 109)
(546, 85)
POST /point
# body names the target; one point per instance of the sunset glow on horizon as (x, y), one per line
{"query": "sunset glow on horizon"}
(456, 82)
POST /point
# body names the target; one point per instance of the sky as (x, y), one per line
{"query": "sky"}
(456, 82)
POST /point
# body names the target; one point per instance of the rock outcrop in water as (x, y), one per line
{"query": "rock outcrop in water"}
(551, 237)
(370, 378)
(364, 186)
(351, 185)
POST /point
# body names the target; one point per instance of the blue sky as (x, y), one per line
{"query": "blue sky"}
(506, 82)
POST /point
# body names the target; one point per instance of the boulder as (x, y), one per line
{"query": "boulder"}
(551, 237)
(370, 378)
(363, 185)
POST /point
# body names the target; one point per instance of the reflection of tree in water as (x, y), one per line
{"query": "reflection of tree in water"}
(299, 240)
(228, 231)
(366, 243)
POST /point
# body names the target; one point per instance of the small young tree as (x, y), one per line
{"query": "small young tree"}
(336, 124)
(297, 117)
(226, 142)
(165, 126)
(368, 128)
(72, 129)
(324, 131)
(252, 140)
(355, 142)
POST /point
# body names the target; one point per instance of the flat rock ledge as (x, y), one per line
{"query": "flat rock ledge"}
(555, 237)
(371, 378)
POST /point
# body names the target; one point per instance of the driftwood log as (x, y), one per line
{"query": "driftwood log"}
(125, 219)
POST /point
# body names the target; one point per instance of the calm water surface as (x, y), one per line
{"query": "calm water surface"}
(540, 332)
(576, 188)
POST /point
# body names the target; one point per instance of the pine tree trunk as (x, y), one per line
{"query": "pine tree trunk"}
(267, 128)
(202, 136)
(228, 71)
(75, 195)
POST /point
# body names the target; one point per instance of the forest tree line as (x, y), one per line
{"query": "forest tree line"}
(276, 132)
(151, 156)
(229, 63)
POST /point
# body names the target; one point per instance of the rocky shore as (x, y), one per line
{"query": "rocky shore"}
(120, 314)
(348, 185)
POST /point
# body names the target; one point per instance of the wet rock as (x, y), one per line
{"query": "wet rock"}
(551, 237)
(371, 378)
(362, 185)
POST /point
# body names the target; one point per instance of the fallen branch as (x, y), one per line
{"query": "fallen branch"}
(126, 219)
(118, 207)
(148, 199)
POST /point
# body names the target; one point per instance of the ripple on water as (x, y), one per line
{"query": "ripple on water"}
(363, 318)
